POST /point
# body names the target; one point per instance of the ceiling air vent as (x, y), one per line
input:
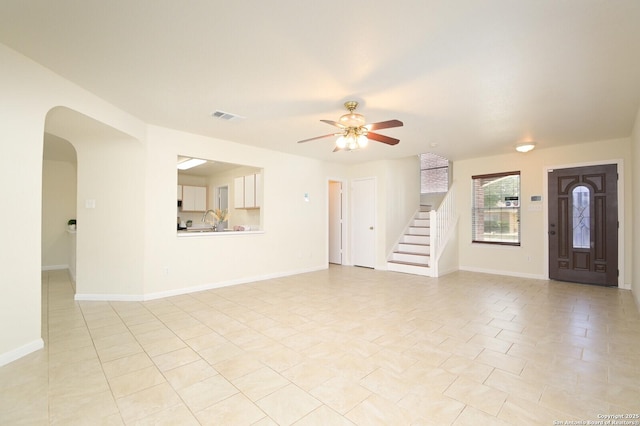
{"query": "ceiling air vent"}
(227, 116)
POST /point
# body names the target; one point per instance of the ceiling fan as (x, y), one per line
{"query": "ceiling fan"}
(354, 133)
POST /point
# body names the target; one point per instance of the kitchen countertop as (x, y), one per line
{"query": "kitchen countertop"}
(191, 234)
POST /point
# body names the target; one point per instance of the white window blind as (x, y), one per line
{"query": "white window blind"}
(496, 208)
(434, 174)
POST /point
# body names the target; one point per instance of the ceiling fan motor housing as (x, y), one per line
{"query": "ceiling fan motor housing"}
(352, 119)
(354, 133)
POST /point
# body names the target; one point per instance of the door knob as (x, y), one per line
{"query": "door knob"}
(371, 228)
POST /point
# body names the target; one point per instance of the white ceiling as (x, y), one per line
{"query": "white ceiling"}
(467, 77)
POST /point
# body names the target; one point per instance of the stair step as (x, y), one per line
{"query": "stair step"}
(400, 262)
(414, 248)
(419, 259)
(415, 239)
(412, 253)
(409, 268)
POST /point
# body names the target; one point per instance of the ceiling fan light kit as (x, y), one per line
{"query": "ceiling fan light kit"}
(355, 133)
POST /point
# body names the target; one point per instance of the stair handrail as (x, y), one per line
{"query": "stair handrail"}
(443, 221)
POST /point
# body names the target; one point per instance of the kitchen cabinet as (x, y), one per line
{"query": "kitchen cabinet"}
(179, 192)
(258, 192)
(238, 192)
(194, 198)
(247, 191)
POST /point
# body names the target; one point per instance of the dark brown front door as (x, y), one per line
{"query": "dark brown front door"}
(583, 224)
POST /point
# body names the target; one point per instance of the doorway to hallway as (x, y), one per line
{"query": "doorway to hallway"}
(336, 223)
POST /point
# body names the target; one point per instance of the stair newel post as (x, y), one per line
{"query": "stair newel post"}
(434, 240)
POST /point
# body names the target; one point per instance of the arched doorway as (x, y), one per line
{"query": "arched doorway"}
(59, 193)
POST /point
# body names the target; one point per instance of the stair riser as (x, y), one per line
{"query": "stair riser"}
(423, 215)
(410, 269)
(412, 258)
(415, 239)
(419, 231)
(421, 222)
(413, 248)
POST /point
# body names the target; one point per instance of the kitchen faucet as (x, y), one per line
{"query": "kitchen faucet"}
(204, 216)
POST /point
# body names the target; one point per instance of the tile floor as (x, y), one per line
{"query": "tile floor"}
(342, 346)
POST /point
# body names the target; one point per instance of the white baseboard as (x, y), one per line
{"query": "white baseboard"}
(24, 350)
(445, 271)
(499, 272)
(187, 290)
(97, 297)
(54, 267)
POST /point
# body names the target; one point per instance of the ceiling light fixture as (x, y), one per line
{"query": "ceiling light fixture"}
(190, 163)
(353, 138)
(355, 132)
(525, 146)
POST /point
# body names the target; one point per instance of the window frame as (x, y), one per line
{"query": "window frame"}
(475, 210)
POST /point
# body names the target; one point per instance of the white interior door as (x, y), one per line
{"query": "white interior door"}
(335, 222)
(363, 222)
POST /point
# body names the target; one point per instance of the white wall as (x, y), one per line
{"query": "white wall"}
(58, 206)
(127, 244)
(530, 258)
(29, 92)
(397, 198)
(635, 231)
(111, 204)
(402, 198)
(294, 238)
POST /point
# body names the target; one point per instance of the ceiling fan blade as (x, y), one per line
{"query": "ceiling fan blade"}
(383, 138)
(320, 137)
(334, 123)
(384, 125)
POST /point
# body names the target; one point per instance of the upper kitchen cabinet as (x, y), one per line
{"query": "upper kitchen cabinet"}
(194, 198)
(248, 191)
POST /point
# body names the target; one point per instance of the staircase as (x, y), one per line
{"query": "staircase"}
(412, 253)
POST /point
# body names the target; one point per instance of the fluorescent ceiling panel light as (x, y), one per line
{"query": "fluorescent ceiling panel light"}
(193, 162)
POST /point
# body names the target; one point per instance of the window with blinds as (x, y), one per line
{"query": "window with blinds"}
(496, 208)
(434, 174)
